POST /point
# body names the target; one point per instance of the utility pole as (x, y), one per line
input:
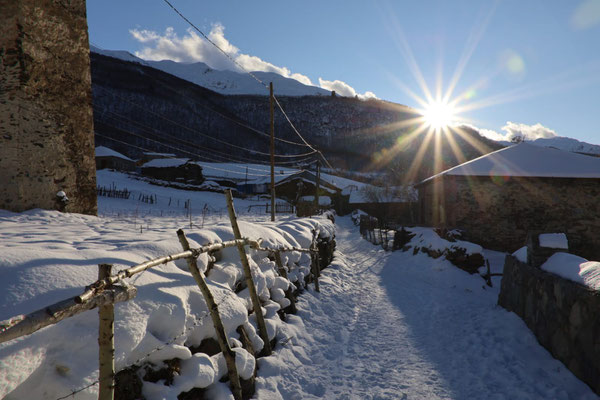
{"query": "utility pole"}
(317, 186)
(271, 101)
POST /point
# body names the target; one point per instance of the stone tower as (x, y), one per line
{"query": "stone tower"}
(46, 132)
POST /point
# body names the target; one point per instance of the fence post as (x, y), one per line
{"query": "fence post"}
(262, 327)
(229, 354)
(314, 265)
(315, 268)
(106, 343)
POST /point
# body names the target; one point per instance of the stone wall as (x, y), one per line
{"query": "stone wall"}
(563, 315)
(498, 213)
(46, 133)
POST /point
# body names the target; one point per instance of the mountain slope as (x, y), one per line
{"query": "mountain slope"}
(569, 144)
(138, 108)
(224, 82)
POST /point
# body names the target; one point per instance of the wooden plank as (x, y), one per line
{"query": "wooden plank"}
(27, 324)
(262, 327)
(234, 379)
(106, 343)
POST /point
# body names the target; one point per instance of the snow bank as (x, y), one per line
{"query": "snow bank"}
(49, 256)
(554, 240)
(574, 268)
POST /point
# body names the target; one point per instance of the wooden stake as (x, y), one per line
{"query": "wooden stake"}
(229, 354)
(262, 327)
(271, 102)
(318, 179)
(280, 267)
(106, 343)
(315, 269)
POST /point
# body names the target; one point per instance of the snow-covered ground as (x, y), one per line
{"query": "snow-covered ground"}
(385, 325)
(399, 326)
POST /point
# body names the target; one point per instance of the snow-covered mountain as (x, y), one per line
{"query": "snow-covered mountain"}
(224, 82)
(564, 143)
(569, 144)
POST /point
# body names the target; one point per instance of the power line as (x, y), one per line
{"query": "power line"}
(254, 130)
(249, 73)
(215, 153)
(214, 44)
(204, 134)
(207, 166)
(182, 150)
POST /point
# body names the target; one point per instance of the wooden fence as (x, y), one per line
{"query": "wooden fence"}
(395, 238)
(104, 293)
(280, 208)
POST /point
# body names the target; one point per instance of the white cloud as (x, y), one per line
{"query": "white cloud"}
(343, 89)
(191, 47)
(528, 132)
(586, 15)
(512, 130)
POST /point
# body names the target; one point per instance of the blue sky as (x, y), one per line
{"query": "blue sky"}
(533, 63)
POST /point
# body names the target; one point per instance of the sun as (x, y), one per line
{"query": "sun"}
(439, 115)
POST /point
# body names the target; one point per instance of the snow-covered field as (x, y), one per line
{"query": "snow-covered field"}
(385, 325)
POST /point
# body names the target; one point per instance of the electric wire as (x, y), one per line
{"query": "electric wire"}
(242, 173)
(249, 73)
(254, 130)
(204, 134)
(215, 153)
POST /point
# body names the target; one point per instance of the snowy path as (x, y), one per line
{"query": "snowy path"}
(398, 326)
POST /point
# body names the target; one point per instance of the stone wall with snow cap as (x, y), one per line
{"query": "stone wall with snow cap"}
(563, 315)
(498, 212)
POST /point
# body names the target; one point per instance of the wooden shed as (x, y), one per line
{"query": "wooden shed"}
(110, 159)
(181, 170)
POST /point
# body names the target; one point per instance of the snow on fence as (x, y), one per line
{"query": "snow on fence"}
(104, 293)
(113, 192)
(280, 208)
(465, 255)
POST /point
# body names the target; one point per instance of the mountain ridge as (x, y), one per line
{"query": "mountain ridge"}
(222, 81)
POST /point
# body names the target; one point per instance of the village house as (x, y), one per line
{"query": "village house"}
(110, 159)
(149, 156)
(497, 198)
(180, 170)
(304, 183)
(390, 204)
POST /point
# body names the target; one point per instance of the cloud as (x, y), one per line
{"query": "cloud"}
(191, 47)
(343, 89)
(512, 130)
(586, 15)
(527, 132)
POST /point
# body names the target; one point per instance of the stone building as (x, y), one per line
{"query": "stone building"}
(497, 198)
(181, 170)
(46, 133)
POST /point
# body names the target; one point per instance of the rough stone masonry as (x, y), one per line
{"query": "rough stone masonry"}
(46, 132)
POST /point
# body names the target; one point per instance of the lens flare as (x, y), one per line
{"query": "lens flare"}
(439, 115)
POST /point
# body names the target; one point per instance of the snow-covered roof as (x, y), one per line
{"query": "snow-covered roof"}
(167, 162)
(527, 160)
(152, 154)
(102, 151)
(392, 194)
